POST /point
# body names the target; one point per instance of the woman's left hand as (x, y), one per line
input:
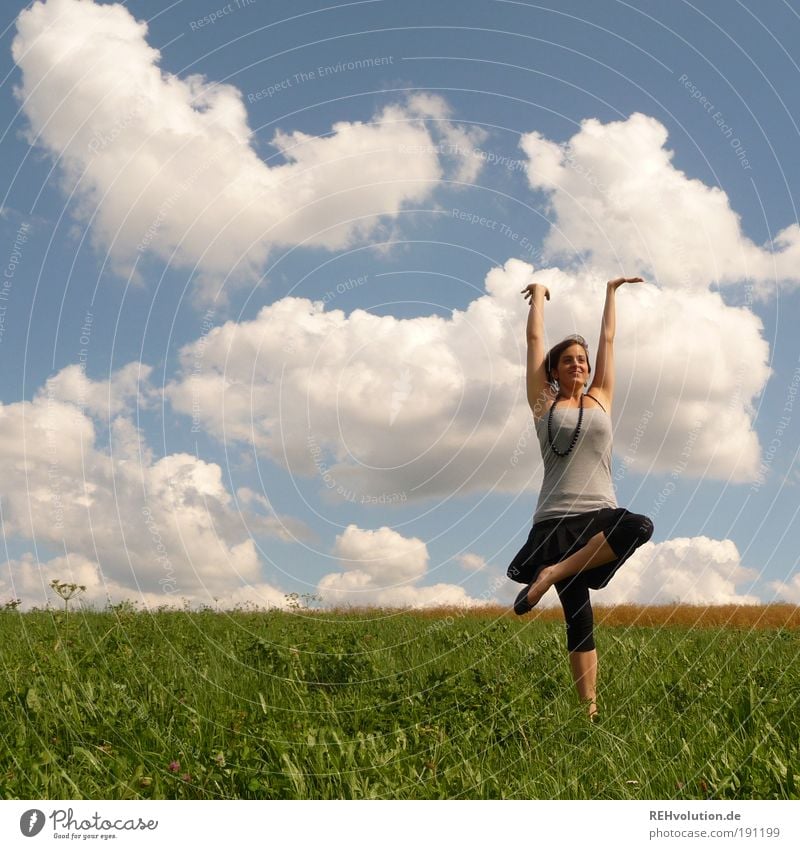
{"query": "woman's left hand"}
(617, 282)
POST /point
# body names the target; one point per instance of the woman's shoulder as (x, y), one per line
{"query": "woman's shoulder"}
(600, 397)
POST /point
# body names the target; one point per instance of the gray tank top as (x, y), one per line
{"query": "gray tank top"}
(581, 481)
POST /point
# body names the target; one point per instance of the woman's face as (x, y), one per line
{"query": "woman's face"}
(573, 367)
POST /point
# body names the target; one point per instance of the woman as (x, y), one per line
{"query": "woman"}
(580, 537)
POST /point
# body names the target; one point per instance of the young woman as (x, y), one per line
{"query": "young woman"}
(580, 537)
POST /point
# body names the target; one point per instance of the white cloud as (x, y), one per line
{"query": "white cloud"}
(382, 568)
(167, 530)
(166, 165)
(683, 570)
(383, 554)
(387, 410)
(28, 580)
(686, 570)
(102, 398)
(788, 591)
(160, 529)
(472, 562)
(616, 196)
(457, 142)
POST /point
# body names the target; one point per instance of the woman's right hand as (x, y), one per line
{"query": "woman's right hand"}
(529, 291)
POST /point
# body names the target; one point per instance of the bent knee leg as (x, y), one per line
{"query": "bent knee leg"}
(629, 533)
(641, 528)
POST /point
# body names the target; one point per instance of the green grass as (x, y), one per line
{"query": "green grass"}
(388, 705)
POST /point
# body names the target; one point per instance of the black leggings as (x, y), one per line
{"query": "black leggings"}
(573, 592)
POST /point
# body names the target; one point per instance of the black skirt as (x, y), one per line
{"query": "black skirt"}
(553, 540)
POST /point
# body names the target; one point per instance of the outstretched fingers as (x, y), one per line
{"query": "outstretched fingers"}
(530, 289)
(618, 281)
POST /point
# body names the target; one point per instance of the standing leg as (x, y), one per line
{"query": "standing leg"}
(574, 596)
(584, 672)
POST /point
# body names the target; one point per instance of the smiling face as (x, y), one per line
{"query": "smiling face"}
(573, 368)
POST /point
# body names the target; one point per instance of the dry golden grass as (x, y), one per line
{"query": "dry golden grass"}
(681, 615)
(700, 616)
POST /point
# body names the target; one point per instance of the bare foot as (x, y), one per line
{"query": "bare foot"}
(540, 586)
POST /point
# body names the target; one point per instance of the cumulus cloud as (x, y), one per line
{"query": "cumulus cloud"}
(387, 410)
(126, 388)
(154, 529)
(616, 198)
(457, 143)
(787, 590)
(686, 570)
(165, 164)
(471, 562)
(28, 580)
(683, 570)
(383, 568)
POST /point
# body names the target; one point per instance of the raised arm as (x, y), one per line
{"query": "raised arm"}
(536, 378)
(603, 384)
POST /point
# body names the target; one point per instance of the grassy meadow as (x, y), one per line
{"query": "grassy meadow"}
(695, 704)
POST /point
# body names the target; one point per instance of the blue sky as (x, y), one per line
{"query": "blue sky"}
(381, 159)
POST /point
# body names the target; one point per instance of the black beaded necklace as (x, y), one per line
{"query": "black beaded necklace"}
(575, 433)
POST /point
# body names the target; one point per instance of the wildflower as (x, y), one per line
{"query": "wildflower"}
(145, 781)
(174, 766)
(219, 759)
(186, 777)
